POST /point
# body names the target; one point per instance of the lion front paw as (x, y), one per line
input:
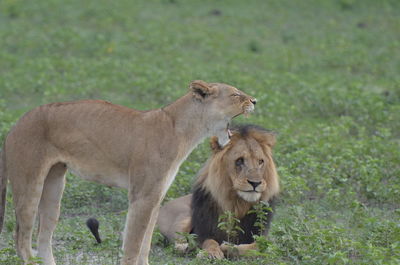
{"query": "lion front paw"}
(230, 250)
(212, 253)
(181, 247)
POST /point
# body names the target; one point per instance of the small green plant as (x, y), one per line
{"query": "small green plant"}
(254, 46)
(347, 4)
(189, 239)
(8, 256)
(261, 210)
(35, 260)
(228, 223)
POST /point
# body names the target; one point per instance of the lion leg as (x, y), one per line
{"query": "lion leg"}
(49, 211)
(138, 220)
(27, 190)
(182, 225)
(174, 218)
(212, 248)
(238, 250)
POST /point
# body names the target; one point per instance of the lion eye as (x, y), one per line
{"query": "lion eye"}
(239, 162)
(235, 95)
(261, 161)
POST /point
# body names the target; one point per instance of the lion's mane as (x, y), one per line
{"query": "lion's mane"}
(213, 192)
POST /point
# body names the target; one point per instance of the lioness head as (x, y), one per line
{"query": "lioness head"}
(242, 172)
(224, 102)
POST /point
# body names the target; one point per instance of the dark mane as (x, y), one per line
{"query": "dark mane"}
(208, 196)
(245, 129)
(205, 213)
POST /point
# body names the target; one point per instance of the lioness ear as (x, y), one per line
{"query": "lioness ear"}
(200, 89)
(215, 147)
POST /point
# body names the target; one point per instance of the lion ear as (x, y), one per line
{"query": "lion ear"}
(215, 147)
(271, 139)
(267, 138)
(201, 89)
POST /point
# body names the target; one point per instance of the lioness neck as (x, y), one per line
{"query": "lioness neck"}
(191, 119)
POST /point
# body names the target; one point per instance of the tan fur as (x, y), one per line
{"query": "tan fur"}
(237, 250)
(220, 177)
(212, 248)
(113, 145)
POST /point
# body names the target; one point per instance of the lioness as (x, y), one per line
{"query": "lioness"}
(235, 178)
(110, 144)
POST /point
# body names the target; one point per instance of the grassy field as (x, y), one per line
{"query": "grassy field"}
(327, 78)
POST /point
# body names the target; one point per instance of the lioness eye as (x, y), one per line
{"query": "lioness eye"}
(239, 162)
(261, 161)
(235, 95)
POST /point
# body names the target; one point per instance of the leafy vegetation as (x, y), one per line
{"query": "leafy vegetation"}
(228, 223)
(326, 76)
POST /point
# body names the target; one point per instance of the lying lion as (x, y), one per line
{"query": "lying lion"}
(234, 178)
(113, 145)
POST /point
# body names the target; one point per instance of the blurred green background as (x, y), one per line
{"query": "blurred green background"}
(327, 78)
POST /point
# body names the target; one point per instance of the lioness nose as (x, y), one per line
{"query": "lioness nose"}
(254, 101)
(254, 183)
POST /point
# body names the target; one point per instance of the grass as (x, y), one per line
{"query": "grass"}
(326, 76)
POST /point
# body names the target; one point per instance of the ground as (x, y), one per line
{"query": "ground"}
(326, 76)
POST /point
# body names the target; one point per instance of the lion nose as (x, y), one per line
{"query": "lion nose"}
(254, 183)
(254, 101)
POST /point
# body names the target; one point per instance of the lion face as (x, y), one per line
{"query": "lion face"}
(244, 168)
(224, 102)
(241, 173)
(246, 163)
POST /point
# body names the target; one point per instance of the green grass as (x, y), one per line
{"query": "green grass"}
(327, 78)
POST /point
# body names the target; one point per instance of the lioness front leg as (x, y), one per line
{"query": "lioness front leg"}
(137, 222)
(146, 245)
(144, 202)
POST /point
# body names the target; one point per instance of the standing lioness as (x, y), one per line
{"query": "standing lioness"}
(114, 145)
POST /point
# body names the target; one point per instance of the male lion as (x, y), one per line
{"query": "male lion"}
(235, 178)
(114, 145)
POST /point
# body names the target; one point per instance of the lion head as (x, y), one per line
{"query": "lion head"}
(243, 172)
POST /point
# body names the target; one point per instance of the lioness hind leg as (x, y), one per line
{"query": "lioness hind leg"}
(27, 186)
(49, 211)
